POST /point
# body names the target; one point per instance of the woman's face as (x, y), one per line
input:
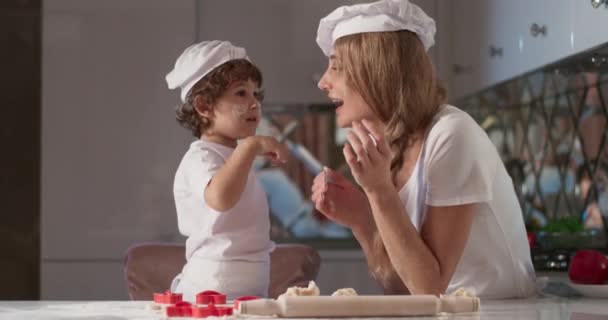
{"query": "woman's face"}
(350, 106)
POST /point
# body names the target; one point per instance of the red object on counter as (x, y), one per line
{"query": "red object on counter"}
(180, 309)
(167, 297)
(224, 311)
(203, 312)
(531, 239)
(211, 311)
(210, 297)
(588, 267)
(243, 298)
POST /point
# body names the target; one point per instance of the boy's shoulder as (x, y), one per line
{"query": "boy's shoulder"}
(205, 151)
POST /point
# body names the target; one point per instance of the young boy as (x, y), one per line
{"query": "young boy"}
(221, 206)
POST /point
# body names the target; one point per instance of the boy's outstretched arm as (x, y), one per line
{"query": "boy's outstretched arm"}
(227, 185)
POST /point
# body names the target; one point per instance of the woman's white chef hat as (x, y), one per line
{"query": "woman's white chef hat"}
(384, 15)
(198, 60)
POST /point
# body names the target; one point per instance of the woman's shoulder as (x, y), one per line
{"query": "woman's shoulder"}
(451, 115)
(451, 121)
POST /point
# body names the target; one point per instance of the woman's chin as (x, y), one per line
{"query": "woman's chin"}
(343, 122)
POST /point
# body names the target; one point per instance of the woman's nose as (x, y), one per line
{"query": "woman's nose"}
(323, 83)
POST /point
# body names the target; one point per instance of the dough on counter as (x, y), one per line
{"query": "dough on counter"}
(154, 306)
(312, 290)
(345, 292)
(462, 292)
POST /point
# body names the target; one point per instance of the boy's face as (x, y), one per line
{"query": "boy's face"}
(237, 112)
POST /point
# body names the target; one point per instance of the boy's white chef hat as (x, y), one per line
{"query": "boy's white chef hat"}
(384, 15)
(198, 60)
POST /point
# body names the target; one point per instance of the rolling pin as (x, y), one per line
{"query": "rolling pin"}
(358, 306)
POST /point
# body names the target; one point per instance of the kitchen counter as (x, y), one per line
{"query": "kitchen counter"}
(532, 309)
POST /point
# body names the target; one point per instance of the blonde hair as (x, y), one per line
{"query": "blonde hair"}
(395, 76)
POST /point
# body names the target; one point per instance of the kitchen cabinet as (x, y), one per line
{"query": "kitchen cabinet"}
(495, 40)
(543, 30)
(498, 44)
(590, 24)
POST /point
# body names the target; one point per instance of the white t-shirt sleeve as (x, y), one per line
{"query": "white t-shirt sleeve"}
(461, 163)
(202, 167)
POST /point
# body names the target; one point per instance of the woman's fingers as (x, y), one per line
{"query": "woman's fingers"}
(378, 133)
(351, 158)
(367, 141)
(357, 148)
(319, 178)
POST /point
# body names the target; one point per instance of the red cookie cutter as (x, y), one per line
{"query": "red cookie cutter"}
(211, 311)
(167, 297)
(180, 309)
(224, 311)
(243, 298)
(210, 297)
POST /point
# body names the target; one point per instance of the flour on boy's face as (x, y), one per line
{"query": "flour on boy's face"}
(248, 114)
(238, 111)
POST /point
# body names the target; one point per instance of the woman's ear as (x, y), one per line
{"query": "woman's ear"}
(202, 108)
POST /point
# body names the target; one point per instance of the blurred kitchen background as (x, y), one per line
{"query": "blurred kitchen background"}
(90, 144)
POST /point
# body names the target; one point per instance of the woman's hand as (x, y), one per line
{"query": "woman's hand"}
(341, 201)
(369, 157)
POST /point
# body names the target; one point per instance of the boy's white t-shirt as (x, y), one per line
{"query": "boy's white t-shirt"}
(458, 164)
(242, 232)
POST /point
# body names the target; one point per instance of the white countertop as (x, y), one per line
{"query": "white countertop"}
(537, 309)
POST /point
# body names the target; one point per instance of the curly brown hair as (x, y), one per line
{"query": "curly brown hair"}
(210, 88)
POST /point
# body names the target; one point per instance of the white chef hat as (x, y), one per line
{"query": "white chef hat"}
(384, 15)
(198, 60)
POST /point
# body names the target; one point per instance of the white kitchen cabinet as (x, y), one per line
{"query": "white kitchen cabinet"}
(499, 44)
(543, 30)
(590, 24)
(496, 40)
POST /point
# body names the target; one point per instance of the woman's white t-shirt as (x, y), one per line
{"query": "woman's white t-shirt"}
(241, 233)
(458, 164)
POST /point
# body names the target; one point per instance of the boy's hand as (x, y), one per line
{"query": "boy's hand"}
(270, 148)
(228, 184)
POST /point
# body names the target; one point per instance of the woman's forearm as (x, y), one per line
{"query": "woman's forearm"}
(365, 235)
(411, 258)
